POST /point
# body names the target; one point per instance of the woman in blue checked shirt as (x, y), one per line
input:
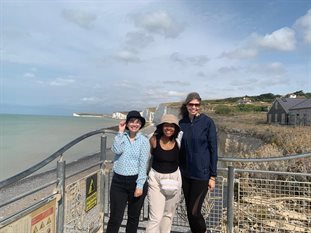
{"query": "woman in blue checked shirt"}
(128, 186)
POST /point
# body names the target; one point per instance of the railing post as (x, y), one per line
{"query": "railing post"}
(61, 190)
(103, 147)
(103, 157)
(230, 199)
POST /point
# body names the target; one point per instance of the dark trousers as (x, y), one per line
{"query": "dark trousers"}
(195, 192)
(122, 194)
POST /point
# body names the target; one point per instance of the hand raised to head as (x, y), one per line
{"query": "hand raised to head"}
(122, 126)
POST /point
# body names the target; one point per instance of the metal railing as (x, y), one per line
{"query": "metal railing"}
(244, 200)
(253, 195)
(57, 192)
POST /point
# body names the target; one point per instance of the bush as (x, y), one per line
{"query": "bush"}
(250, 108)
(223, 109)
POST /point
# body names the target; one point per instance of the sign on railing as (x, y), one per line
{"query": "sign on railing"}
(40, 220)
(82, 212)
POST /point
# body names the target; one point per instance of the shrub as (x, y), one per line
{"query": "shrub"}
(250, 108)
(223, 109)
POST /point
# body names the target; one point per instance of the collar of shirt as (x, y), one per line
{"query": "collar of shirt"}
(127, 133)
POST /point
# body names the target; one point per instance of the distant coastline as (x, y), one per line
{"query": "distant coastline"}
(78, 114)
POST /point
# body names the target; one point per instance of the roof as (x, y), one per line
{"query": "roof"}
(306, 103)
(288, 103)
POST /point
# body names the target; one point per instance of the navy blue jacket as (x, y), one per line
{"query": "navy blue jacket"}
(198, 152)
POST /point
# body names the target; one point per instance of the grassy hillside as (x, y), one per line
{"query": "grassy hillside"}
(236, 105)
(251, 120)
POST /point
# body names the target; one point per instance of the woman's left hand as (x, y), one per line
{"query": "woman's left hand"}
(138, 192)
(211, 184)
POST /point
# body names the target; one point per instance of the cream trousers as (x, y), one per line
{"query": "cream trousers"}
(161, 207)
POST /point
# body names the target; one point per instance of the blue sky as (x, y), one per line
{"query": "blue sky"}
(59, 57)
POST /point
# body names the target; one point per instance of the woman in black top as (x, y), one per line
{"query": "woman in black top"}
(164, 179)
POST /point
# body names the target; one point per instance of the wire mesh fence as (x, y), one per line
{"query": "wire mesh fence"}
(273, 205)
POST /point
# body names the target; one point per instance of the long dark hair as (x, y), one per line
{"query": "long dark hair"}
(191, 96)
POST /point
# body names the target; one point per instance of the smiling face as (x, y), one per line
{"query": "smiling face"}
(193, 107)
(168, 129)
(134, 125)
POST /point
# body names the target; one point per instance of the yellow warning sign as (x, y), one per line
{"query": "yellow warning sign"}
(91, 192)
(91, 187)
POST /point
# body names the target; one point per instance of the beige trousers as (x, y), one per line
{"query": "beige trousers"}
(161, 207)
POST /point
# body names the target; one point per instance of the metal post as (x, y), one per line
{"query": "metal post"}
(230, 199)
(103, 143)
(103, 147)
(61, 190)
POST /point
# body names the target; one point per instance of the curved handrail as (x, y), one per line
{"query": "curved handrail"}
(52, 157)
(267, 159)
(58, 153)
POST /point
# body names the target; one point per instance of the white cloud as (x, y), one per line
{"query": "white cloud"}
(126, 84)
(201, 74)
(138, 39)
(140, 53)
(127, 56)
(282, 39)
(199, 60)
(159, 94)
(159, 22)
(274, 68)
(29, 75)
(277, 80)
(81, 18)
(241, 53)
(90, 99)
(244, 82)
(175, 93)
(228, 69)
(305, 23)
(177, 83)
(61, 82)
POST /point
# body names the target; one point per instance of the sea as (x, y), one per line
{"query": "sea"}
(28, 139)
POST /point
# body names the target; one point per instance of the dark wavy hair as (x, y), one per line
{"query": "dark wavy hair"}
(158, 133)
(191, 96)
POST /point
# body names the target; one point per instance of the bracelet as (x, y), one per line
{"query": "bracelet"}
(212, 178)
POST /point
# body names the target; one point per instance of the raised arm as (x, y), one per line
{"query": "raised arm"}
(118, 143)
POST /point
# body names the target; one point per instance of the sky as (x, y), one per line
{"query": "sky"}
(98, 56)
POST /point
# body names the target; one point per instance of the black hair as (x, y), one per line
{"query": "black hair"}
(158, 133)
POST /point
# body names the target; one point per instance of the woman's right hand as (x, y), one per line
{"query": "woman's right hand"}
(211, 184)
(138, 192)
(122, 126)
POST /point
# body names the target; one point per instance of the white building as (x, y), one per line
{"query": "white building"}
(148, 115)
(119, 115)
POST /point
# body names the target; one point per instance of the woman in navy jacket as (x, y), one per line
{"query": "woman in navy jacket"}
(198, 159)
